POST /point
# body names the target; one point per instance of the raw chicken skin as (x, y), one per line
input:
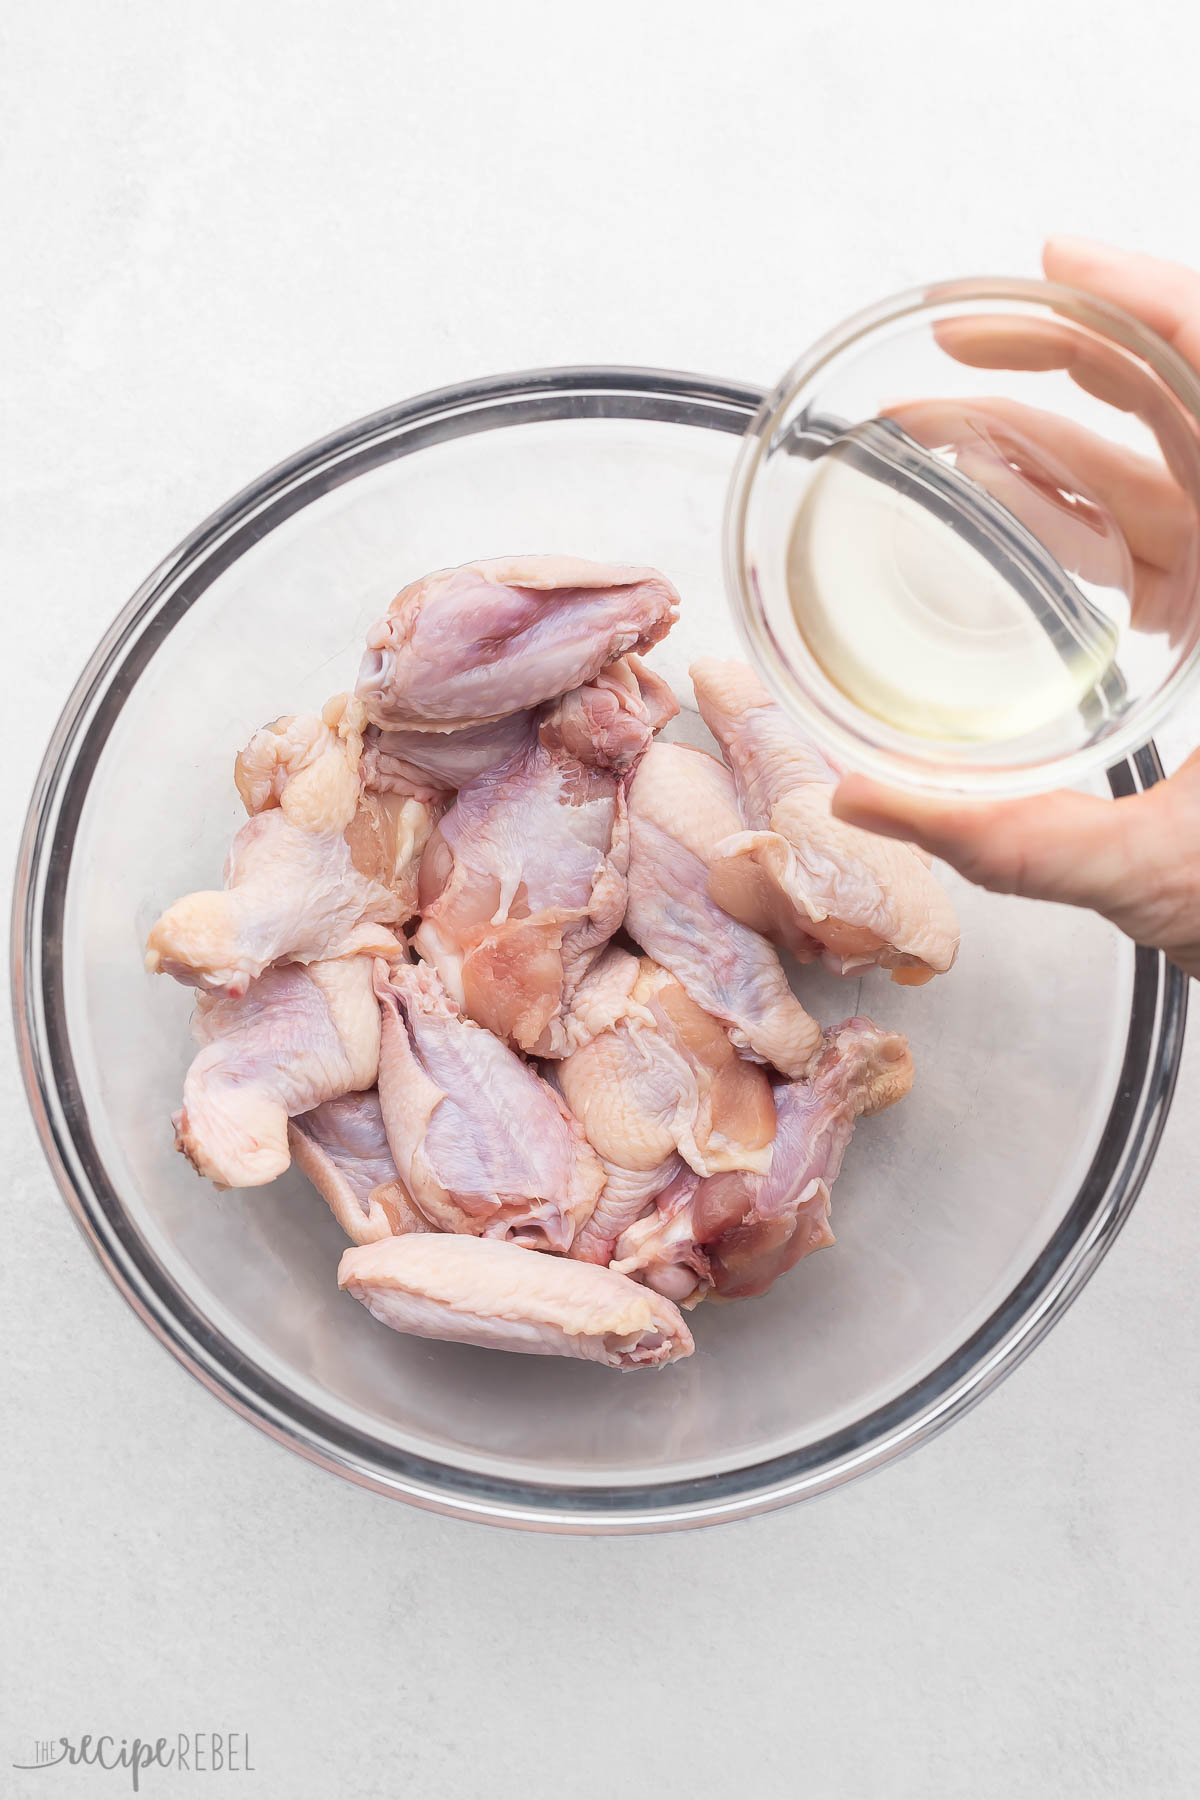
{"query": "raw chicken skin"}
(480, 1141)
(604, 998)
(500, 1297)
(608, 722)
(430, 763)
(523, 882)
(736, 1233)
(726, 1115)
(317, 859)
(628, 1194)
(342, 1147)
(306, 765)
(862, 1069)
(810, 882)
(466, 645)
(682, 804)
(766, 752)
(661, 1247)
(386, 839)
(298, 1037)
(661, 1078)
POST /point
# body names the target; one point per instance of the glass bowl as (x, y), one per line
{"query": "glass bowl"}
(963, 537)
(967, 1219)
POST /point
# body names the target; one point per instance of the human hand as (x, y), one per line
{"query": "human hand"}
(1134, 860)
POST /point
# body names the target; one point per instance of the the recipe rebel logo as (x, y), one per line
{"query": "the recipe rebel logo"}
(192, 1753)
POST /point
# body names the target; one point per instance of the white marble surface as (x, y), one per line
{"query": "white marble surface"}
(225, 232)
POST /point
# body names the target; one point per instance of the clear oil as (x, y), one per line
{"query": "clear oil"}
(922, 630)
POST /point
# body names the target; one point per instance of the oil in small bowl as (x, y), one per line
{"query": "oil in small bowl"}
(964, 590)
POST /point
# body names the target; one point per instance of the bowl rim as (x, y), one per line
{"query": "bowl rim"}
(1122, 1159)
(843, 729)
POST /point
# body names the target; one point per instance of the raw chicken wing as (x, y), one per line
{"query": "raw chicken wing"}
(342, 1147)
(386, 839)
(480, 1141)
(463, 646)
(317, 859)
(298, 1037)
(523, 882)
(435, 762)
(634, 1178)
(661, 1247)
(496, 1295)
(736, 1233)
(809, 881)
(660, 1078)
(628, 1194)
(682, 804)
(608, 722)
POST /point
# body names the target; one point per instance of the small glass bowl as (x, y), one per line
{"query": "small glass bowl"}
(962, 539)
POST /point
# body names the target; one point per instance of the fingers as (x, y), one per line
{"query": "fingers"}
(1152, 513)
(1067, 847)
(1136, 861)
(1045, 469)
(1007, 341)
(1106, 371)
(1163, 295)
(1038, 345)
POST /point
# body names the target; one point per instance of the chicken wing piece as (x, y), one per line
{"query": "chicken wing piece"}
(766, 752)
(298, 1037)
(627, 1195)
(430, 763)
(342, 1147)
(725, 1114)
(604, 998)
(481, 1143)
(521, 885)
(812, 883)
(466, 645)
(735, 1233)
(658, 1078)
(386, 839)
(661, 1247)
(318, 858)
(682, 804)
(500, 1297)
(608, 722)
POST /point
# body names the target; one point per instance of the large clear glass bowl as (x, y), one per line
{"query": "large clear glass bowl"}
(966, 1220)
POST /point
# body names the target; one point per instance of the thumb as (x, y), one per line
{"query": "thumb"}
(1063, 846)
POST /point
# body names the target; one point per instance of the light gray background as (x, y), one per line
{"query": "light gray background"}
(225, 230)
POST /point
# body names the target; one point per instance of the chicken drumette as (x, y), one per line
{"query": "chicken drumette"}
(297, 1037)
(736, 1232)
(524, 881)
(656, 1079)
(468, 645)
(810, 882)
(319, 857)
